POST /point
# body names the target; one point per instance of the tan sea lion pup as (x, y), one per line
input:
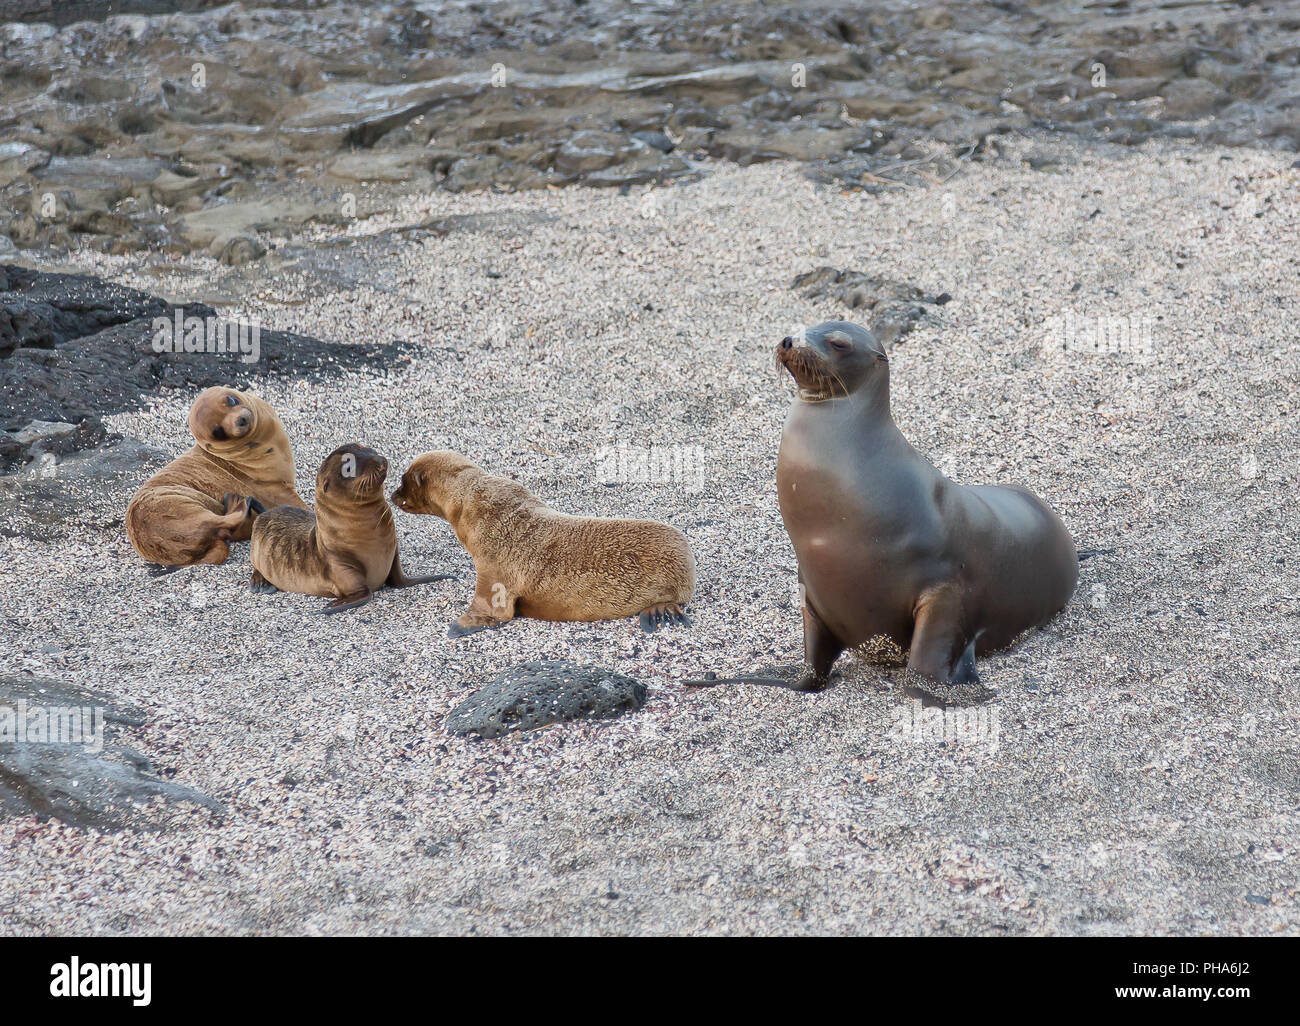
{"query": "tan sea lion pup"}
(192, 509)
(347, 549)
(536, 562)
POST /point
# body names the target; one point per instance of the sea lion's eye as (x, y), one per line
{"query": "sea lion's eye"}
(231, 401)
(839, 343)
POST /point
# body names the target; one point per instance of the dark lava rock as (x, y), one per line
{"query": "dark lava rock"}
(42, 311)
(74, 348)
(87, 780)
(536, 694)
(657, 140)
(52, 497)
(895, 307)
(68, 12)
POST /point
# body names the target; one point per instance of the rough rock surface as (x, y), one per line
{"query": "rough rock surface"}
(98, 783)
(894, 307)
(113, 141)
(59, 495)
(74, 348)
(537, 694)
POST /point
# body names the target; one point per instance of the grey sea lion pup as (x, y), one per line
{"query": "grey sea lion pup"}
(889, 547)
(346, 549)
(534, 561)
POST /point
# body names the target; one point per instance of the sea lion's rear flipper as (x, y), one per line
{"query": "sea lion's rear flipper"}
(237, 521)
(348, 602)
(407, 582)
(794, 677)
(398, 579)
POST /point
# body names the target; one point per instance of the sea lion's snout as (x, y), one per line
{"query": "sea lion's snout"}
(834, 360)
(425, 484)
(357, 469)
(410, 496)
(221, 415)
(806, 365)
(237, 423)
(372, 468)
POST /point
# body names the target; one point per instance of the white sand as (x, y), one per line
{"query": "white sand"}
(1145, 777)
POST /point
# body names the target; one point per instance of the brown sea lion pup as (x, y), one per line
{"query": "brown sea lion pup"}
(890, 548)
(191, 510)
(536, 562)
(347, 549)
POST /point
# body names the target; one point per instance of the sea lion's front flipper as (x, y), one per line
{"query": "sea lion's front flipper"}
(490, 607)
(662, 615)
(820, 650)
(934, 669)
(964, 673)
(260, 585)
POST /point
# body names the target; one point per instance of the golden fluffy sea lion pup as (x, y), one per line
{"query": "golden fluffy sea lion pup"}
(536, 562)
(191, 510)
(347, 549)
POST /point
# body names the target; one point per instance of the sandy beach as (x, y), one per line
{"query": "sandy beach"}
(1135, 773)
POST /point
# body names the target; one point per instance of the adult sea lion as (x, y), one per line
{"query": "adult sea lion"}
(887, 546)
(191, 510)
(347, 549)
(536, 562)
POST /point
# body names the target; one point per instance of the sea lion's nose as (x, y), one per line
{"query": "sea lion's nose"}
(242, 421)
(787, 342)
